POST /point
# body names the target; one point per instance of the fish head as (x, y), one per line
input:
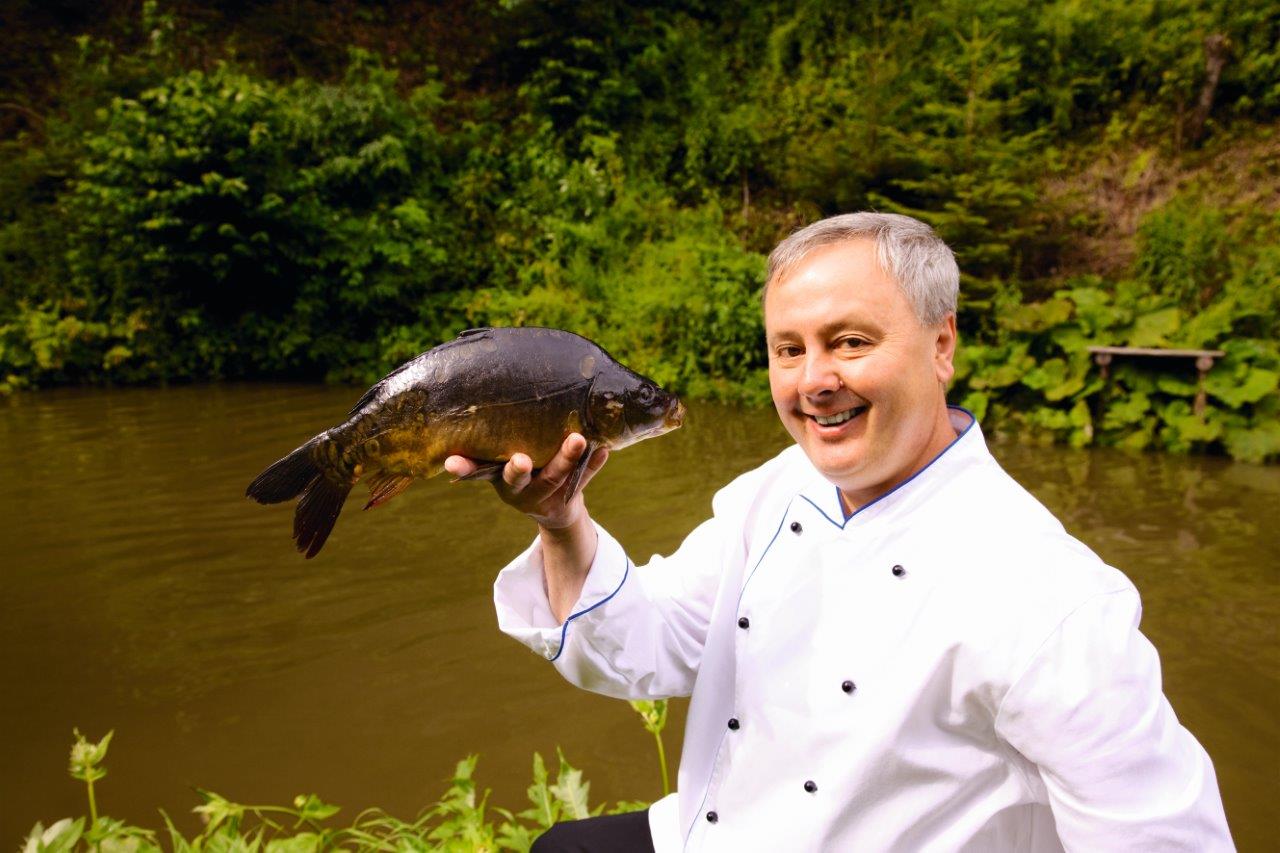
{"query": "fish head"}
(627, 407)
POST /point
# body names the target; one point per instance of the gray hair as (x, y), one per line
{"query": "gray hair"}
(907, 249)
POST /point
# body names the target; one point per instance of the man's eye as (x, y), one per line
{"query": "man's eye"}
(852, 343)
(788, 351)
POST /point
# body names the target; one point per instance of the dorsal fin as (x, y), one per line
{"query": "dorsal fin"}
(368, 396)
(466, 333)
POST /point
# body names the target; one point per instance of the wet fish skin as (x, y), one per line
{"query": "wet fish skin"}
(486, 395)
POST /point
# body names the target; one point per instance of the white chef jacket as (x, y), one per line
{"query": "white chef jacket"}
(946, 669)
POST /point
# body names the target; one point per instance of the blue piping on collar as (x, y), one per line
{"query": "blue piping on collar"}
(840, 503)
(564, 629)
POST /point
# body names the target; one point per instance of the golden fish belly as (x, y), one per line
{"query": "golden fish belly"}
(419, 450)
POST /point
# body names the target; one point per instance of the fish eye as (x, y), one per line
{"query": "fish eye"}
(645, 395)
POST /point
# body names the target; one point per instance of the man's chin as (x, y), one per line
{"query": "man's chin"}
(842, 465)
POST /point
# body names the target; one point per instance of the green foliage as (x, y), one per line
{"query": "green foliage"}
(174, 210)
(460, 821)
(1041, 379)
(1183, 253)
(664, 288)
(273, 224)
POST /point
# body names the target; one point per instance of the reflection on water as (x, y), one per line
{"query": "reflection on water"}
(143, 593)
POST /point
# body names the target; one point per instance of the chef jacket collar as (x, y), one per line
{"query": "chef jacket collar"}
(967, 448)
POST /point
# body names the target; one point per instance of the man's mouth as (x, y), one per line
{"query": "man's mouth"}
(839, 417)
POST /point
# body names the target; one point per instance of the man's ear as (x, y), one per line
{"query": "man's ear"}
(944, 351)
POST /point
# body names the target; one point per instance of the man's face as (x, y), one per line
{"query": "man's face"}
(856, 378)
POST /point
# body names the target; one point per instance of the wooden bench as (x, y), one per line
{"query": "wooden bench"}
(1204, 362)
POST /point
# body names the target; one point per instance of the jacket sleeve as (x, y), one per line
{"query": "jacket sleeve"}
(636, 632)
(1119, 770)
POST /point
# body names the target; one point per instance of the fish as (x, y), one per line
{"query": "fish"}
(486, 395)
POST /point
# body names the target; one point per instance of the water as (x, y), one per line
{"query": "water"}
(142, 593)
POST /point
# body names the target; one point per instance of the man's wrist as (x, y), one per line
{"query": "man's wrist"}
(567, 531)
(567, 554)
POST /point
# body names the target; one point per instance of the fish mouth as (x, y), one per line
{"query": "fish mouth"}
(673, 419)
(675, 416)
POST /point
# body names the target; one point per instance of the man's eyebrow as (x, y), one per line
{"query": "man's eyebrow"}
(828, 328)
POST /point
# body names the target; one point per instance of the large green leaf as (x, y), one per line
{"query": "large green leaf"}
(1257, 443)
(1038, 316)
(1235, 389)
(1126, 411)
(60, 837)
(303, 842)
(1155, 328)
(976, 402)
(572, 792)
(1182, 429)
(1176, 386)
(1056, 379)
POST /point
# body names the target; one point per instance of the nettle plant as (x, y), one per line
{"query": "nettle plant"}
(461, 820)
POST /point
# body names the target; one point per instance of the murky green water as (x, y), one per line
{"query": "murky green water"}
(142, 592)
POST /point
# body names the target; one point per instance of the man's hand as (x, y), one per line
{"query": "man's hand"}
(542, 497)
(568, 537)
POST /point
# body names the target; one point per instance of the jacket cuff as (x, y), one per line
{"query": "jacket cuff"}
(520, 595)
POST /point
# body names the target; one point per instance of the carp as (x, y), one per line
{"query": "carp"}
(486, 395)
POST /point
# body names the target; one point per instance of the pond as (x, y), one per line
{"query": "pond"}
(143, 593)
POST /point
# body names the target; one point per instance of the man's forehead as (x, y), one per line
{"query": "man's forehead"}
(835, 264)
(832, 295)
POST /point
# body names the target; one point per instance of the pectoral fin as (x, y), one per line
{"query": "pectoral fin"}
(383, 487)
(578, 470)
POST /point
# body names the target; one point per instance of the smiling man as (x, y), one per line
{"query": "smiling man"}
(858, 373)
(889, 644)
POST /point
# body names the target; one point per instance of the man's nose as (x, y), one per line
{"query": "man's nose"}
(818, 376)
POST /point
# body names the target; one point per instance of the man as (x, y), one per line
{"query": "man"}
(890, 645)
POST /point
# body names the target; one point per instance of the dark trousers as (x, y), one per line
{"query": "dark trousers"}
(614, 833)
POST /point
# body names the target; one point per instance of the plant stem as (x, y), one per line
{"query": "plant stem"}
(662, 762)
(93, 810)
(93, 805)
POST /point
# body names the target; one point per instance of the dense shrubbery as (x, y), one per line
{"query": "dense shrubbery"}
(620, 171)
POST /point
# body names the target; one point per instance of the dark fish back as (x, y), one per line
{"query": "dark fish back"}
(486, 367)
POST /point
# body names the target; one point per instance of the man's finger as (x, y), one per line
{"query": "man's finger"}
(459, 466)
(562, 464)
(517, 472)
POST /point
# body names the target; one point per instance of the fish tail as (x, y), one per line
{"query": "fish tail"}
(286, 479)
(314, 518)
